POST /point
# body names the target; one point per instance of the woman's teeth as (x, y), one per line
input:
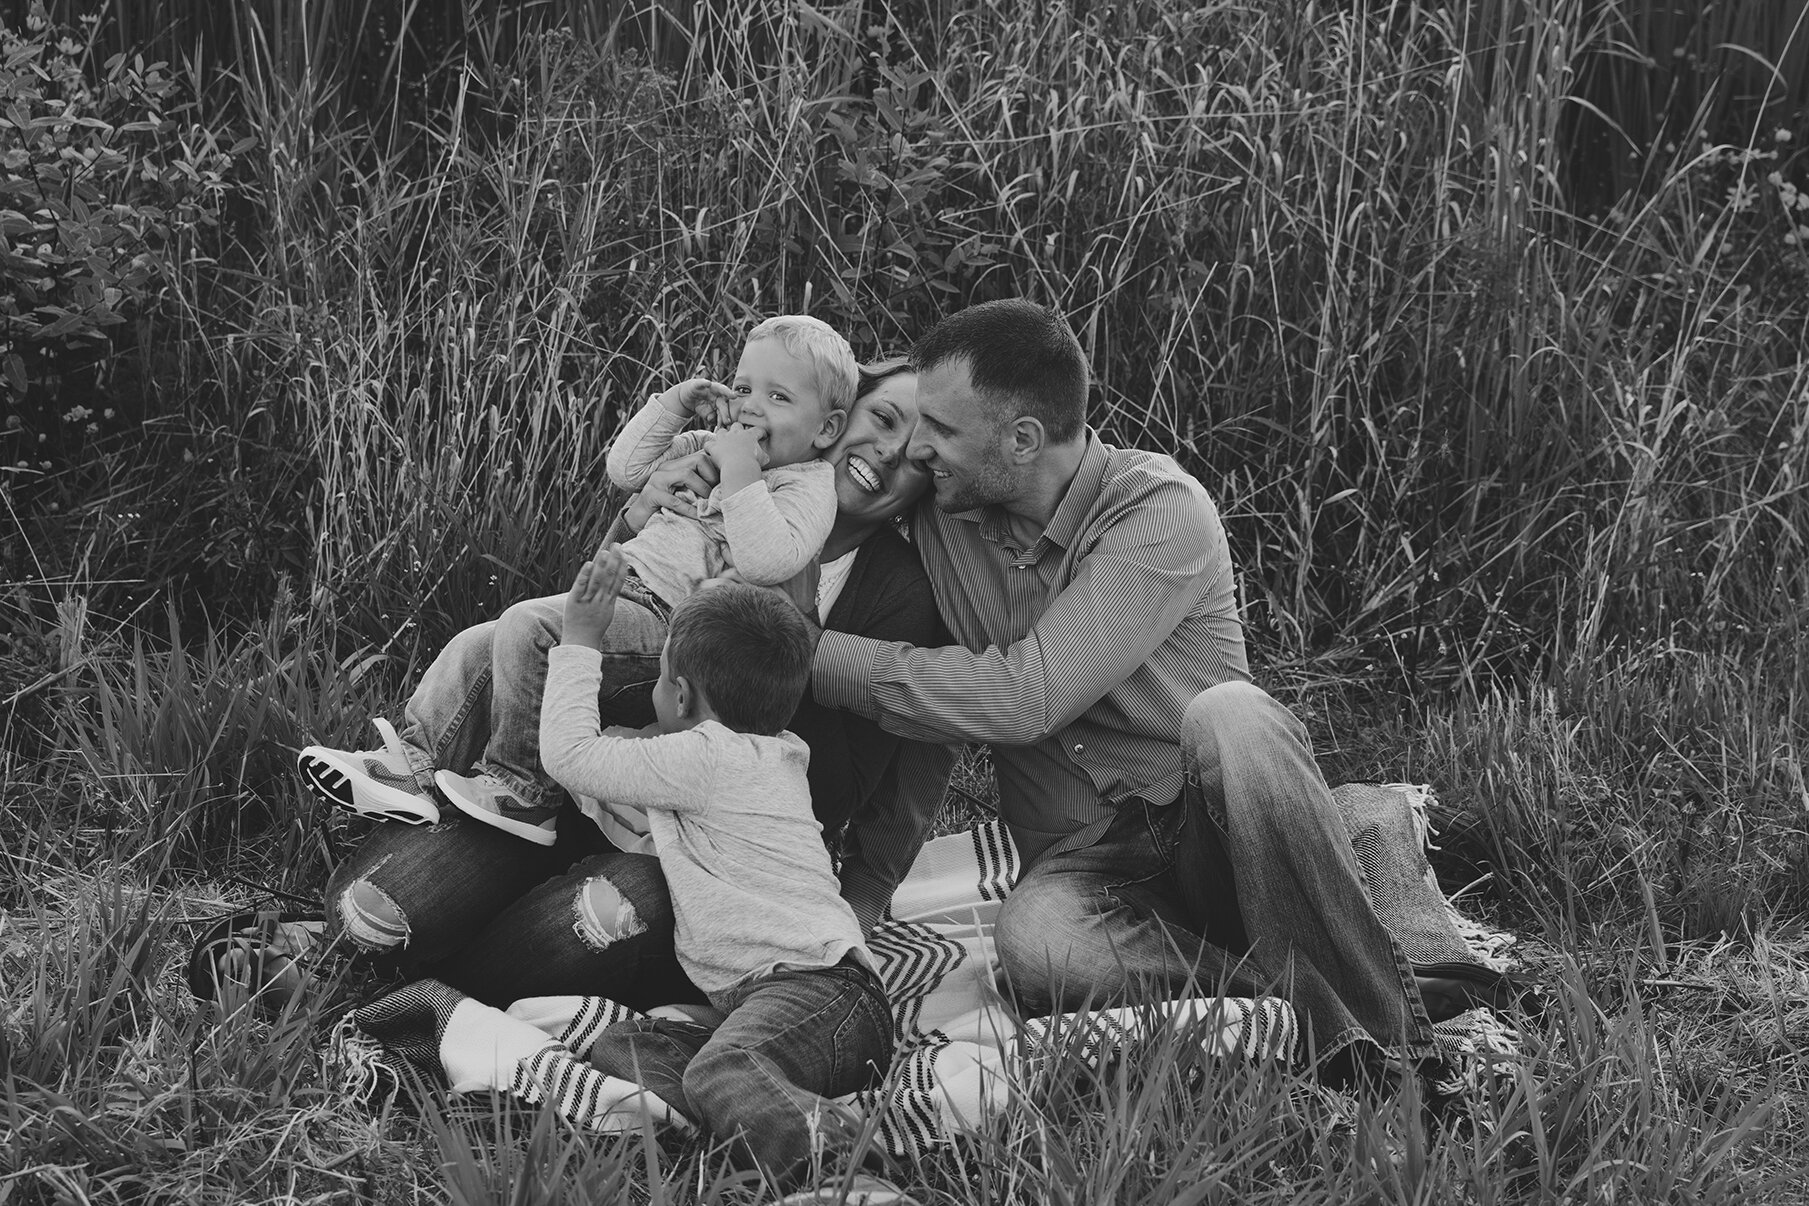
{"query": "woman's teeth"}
(864, 476)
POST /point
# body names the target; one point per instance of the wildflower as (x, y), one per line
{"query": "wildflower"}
(1782, 135)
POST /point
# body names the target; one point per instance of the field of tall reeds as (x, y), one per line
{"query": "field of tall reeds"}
(1485, 324)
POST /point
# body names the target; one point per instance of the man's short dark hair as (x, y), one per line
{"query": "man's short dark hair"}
(1023, 359)
(747, 649)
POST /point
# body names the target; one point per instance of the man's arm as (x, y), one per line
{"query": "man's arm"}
(1139, 581)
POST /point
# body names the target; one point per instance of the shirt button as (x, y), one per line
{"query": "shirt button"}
(1079, 749)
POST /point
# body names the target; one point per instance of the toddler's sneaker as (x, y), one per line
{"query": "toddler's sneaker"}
(372, 783)
(486, 798)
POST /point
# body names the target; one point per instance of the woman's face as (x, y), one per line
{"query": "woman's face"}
(873, 479)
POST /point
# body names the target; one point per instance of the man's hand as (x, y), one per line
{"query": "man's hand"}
(703, 397)
(591, 603)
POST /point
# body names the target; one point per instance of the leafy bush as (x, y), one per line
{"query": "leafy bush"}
(101, 185)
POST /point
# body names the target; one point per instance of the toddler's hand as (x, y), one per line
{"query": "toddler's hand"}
(591, 603)
(701, 396)
(737, 446)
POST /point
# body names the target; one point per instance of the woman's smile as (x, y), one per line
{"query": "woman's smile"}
(864, 474)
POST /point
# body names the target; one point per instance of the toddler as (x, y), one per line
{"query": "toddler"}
(767, 518)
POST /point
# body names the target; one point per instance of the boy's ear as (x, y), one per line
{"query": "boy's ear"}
(831, 430)
(684, 699)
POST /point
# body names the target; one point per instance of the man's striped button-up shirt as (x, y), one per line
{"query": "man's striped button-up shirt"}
(1077, 655)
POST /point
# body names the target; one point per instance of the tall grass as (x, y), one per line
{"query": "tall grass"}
(1513, 462)
(1326, 256)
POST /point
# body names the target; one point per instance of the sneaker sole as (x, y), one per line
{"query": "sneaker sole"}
(331, 779)
(521, 829)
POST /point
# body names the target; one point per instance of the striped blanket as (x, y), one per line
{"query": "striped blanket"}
(961, 1053)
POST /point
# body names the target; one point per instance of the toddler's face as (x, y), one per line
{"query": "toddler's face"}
(778, 396)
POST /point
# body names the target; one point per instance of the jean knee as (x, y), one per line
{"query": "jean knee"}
(528, 625)
(1033, 917)
(369, 918)
(604, 916)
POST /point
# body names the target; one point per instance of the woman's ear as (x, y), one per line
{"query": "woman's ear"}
(831, 431)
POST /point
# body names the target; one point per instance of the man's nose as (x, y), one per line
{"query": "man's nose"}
(919, 449)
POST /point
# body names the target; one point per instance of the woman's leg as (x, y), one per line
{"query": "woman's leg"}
(421, 893)
(603, 927)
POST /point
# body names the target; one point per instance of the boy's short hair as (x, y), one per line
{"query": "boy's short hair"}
(820, 346)
(1022, 358)
(747, 650)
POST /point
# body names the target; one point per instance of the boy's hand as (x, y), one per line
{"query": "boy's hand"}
(738, 456)
(703, 397)
(591, 603)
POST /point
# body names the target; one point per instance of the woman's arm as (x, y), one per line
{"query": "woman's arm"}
(676, 485)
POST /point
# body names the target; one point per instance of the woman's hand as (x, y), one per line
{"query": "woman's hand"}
(675, 485)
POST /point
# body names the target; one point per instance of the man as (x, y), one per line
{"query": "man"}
(1174, 827)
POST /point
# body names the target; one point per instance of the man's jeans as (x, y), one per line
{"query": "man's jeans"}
(501, 667)
(763, 1074)
(1246, 884)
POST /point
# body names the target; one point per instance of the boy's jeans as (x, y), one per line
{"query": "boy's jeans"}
(501, 666)
(1246, 883)
(763, 1074)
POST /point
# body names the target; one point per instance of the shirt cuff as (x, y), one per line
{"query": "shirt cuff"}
(579, 657)
(841, 674)
(745, 496)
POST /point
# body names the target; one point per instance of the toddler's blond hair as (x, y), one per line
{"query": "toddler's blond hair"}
(821, 347)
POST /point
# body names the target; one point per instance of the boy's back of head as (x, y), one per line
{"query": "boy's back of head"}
(747, 650)
(820, 346)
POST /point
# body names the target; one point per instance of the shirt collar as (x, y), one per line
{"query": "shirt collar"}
(1082, 493)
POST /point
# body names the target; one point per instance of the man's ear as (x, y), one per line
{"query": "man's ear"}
(831, 431)
(1024, 438)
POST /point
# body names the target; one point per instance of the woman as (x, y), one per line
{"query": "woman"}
(503, 919)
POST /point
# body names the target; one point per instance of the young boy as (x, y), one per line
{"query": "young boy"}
(768, 516)
(761, 926)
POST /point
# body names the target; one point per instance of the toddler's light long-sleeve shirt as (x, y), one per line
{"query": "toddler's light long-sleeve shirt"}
(769, 530)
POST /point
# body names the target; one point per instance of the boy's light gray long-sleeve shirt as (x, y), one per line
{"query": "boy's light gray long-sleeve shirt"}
(768, 530)
(751, 882)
